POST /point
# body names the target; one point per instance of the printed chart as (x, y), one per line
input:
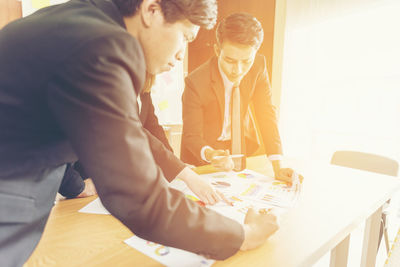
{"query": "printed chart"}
(247, 189)
(167, 255)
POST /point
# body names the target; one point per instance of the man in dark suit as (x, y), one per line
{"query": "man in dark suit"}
(69, 77)
(207, 99)
(76, 183)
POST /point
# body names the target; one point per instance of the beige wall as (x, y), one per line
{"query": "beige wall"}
(9, 11)
(277, 53)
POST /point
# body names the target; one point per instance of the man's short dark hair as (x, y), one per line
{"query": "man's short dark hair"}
(199, 12)
(241, 28)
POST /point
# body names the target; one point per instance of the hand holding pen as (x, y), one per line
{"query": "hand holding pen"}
(220, 159)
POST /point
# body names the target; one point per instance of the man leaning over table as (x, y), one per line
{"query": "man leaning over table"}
(69, 77)
(76, 183)
(207, 104)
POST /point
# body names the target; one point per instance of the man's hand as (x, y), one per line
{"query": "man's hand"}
(201, 187)
(258, 228)
(219, 159)
(284, 174)
(89, 189)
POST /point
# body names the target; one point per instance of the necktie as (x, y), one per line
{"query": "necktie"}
(236, 130)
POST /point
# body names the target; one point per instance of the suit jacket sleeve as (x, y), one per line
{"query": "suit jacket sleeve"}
(162, 151)
(193, 119)
(164, 158)
(151, 122)
(265, 112)
(91, 97)
(72, 183)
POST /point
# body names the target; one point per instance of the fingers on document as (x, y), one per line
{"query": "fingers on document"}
(223, 198)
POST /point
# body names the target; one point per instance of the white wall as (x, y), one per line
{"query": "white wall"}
(166, 95)
(30, 6)
(341, 77)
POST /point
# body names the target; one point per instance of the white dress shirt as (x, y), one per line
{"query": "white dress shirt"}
(139, 101)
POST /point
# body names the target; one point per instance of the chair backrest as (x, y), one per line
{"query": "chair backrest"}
(366, 162)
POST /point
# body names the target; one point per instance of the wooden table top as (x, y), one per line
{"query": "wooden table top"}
(334, 201)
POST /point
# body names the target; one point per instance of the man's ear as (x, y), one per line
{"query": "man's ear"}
(217, 50)
(149, 10)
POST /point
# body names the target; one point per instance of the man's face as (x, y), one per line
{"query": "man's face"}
(235, 59)
(165, 43)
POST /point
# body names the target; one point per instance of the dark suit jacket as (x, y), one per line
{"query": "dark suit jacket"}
(159, 145)
(72, 183)
(203, 102)
(69, 77)
(150, 121)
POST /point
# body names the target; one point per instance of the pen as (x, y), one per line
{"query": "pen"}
(231, 156)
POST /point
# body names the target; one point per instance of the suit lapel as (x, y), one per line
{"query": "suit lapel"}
(217, 85)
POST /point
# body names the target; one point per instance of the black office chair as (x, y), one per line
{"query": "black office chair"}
(372, 163)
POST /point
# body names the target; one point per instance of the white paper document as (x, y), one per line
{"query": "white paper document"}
(94, 207)
(168, 256)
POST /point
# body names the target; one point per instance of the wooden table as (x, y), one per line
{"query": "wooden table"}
(334, 201)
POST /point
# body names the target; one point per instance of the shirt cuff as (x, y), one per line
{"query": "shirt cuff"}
(202, 155)
(275, 157)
